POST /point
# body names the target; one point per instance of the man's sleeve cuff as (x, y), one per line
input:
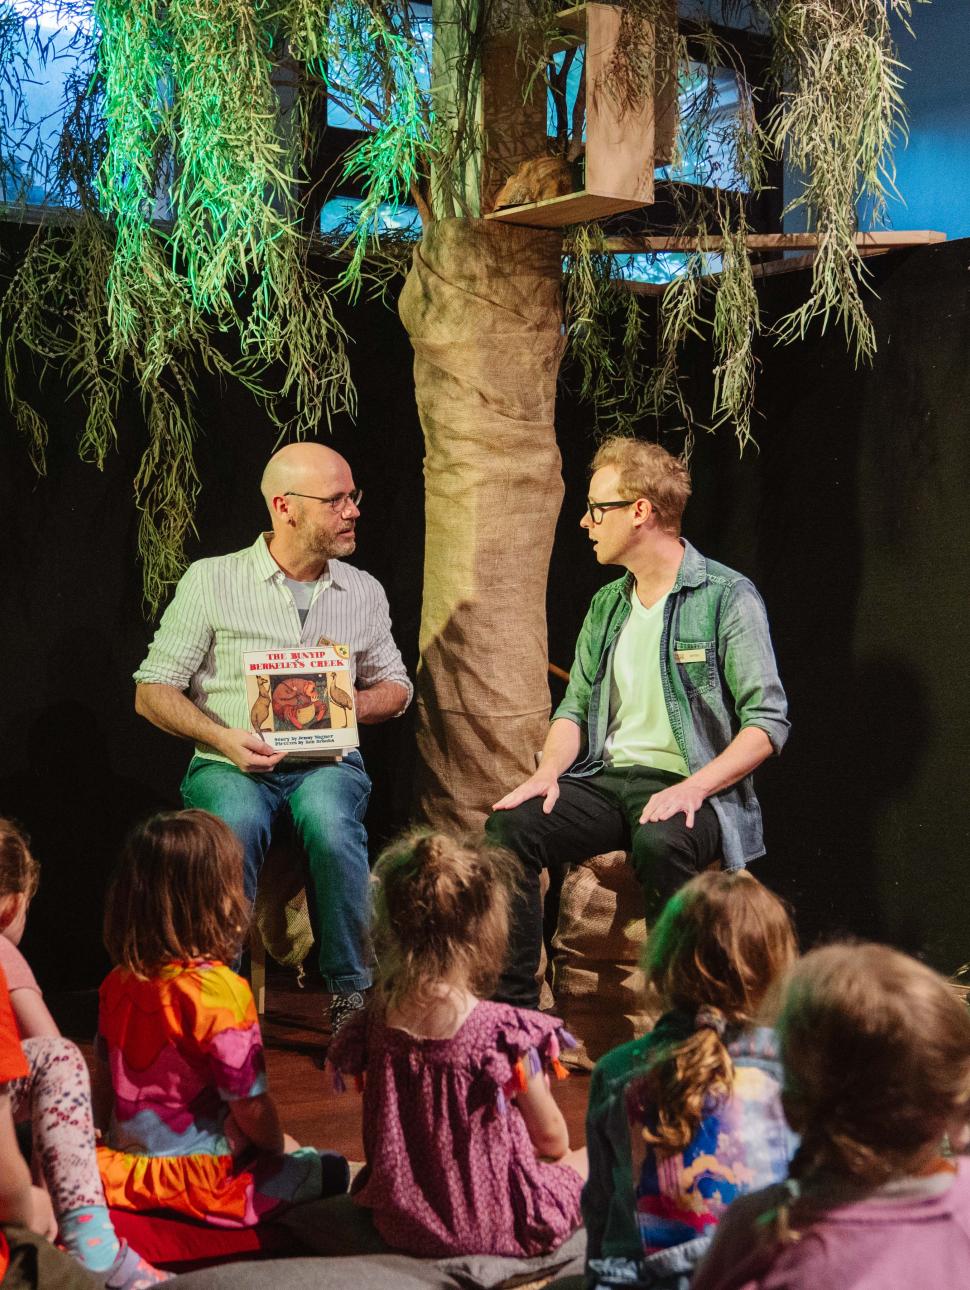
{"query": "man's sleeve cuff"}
(174, 679)
(777, 731)
(566, 713)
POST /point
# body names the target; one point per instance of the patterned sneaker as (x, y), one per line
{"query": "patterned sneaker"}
(131, 1272)
(343, 1007)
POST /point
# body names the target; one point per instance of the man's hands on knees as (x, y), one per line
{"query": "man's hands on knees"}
(248, 751)
(746, 751)
(543, 783)
(684, 798)
(559, 752)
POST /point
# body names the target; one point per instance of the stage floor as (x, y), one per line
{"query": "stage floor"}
(295, 1034)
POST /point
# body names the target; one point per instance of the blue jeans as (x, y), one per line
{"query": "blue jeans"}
(327, 804)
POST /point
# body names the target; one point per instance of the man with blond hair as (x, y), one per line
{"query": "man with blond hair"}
(292, 587)
(673, 701)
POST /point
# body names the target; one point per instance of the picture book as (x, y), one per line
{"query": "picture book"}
(302, 699)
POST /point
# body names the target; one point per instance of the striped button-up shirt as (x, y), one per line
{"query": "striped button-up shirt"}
(230, 604)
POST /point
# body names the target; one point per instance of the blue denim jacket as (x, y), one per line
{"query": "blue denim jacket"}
(753, 1140)
(718, 672)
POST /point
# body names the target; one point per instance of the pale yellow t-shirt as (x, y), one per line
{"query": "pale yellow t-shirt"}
(639, 733)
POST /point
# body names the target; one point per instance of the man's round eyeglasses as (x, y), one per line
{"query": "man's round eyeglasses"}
(596, 510)
(336, 503)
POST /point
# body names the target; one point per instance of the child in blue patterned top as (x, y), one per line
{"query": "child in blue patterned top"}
(689, 1117)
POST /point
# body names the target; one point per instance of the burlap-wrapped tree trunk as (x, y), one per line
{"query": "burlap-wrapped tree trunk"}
(482, 308)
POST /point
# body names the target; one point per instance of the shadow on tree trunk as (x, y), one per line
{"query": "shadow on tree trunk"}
(482, 306)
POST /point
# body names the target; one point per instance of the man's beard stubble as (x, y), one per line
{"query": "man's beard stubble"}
(327, 546)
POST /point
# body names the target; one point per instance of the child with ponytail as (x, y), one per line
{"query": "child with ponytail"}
(876, 1054)
(467, 1152)
(685, 1119)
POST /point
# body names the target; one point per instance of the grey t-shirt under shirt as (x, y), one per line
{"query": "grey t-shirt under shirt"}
(302, 595)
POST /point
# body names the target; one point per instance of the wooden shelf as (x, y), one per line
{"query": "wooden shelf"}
(619, 157)
(571, 208)
(868, 245)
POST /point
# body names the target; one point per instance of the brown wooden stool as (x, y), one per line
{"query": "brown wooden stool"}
(599, 989)
(281, 916)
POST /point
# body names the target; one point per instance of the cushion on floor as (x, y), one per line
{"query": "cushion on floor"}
(370, 1272)
(343, 1230)
(392, 1272)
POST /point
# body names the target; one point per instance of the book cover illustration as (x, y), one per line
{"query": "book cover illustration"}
(302, 700)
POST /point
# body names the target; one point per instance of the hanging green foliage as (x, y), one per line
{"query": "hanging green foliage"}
(187, 155)
(712, 293)
(838, 115)
(373, 62)
(737, 321)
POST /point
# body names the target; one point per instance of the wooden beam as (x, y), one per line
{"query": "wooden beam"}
(642, 288)
(771, 269)
(885, 240)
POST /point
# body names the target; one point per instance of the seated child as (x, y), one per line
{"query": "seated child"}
(685, 1119)
(876, 1052)
(53, 1094)
(192, 1127)
(19, 878)
(27, 1259)
(467, 1152)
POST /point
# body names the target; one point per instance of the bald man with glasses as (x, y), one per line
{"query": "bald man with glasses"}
(292, 587)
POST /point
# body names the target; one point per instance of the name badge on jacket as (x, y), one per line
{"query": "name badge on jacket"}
(689, 655)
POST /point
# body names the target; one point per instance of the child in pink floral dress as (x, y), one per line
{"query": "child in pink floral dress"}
(467, 1152)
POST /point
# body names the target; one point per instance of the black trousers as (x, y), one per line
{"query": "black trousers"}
(600, 813)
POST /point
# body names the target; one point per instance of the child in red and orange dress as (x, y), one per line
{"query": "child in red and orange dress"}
(192, 1128)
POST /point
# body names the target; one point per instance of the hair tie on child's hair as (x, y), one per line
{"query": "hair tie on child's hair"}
(710, 1019)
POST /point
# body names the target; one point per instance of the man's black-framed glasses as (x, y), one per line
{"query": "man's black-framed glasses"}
(596, 510)
(336, 503)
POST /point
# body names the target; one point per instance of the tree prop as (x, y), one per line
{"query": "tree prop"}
(178, 238)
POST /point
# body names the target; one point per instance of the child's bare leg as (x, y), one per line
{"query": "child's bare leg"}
(240, 1143)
